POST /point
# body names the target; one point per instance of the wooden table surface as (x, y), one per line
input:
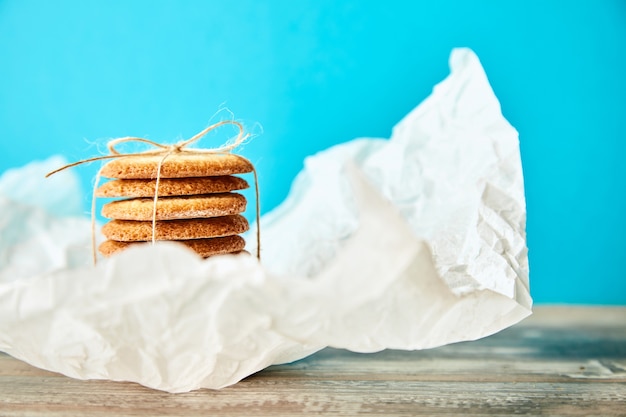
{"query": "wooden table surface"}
(568, 361)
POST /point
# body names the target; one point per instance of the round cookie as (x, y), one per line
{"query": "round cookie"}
(132, 230)
(171, 186)
(172, 208)
(176, 165)
(203, 247)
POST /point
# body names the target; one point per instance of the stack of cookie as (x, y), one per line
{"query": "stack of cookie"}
(195, 205)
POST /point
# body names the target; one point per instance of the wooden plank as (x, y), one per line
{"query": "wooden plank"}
(340, 398)
(562, 361)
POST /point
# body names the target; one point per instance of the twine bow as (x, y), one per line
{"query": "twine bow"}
(166, 151)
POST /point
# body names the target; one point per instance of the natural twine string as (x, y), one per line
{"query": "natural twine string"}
(166, 151)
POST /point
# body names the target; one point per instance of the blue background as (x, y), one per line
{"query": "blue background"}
(316, 73)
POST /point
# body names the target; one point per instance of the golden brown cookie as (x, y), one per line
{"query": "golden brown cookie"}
(176, 165)
(203, 247)
(132, 230)
(171, 208)
(171, 186)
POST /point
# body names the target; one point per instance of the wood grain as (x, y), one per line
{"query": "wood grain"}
(568, 361)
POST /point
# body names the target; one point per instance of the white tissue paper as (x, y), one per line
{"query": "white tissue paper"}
(408, 243)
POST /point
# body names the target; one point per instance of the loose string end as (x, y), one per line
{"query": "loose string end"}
(94, 252)
(82, 161)
(258, 214)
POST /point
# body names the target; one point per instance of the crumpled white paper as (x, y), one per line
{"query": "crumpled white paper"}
(407, 243)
